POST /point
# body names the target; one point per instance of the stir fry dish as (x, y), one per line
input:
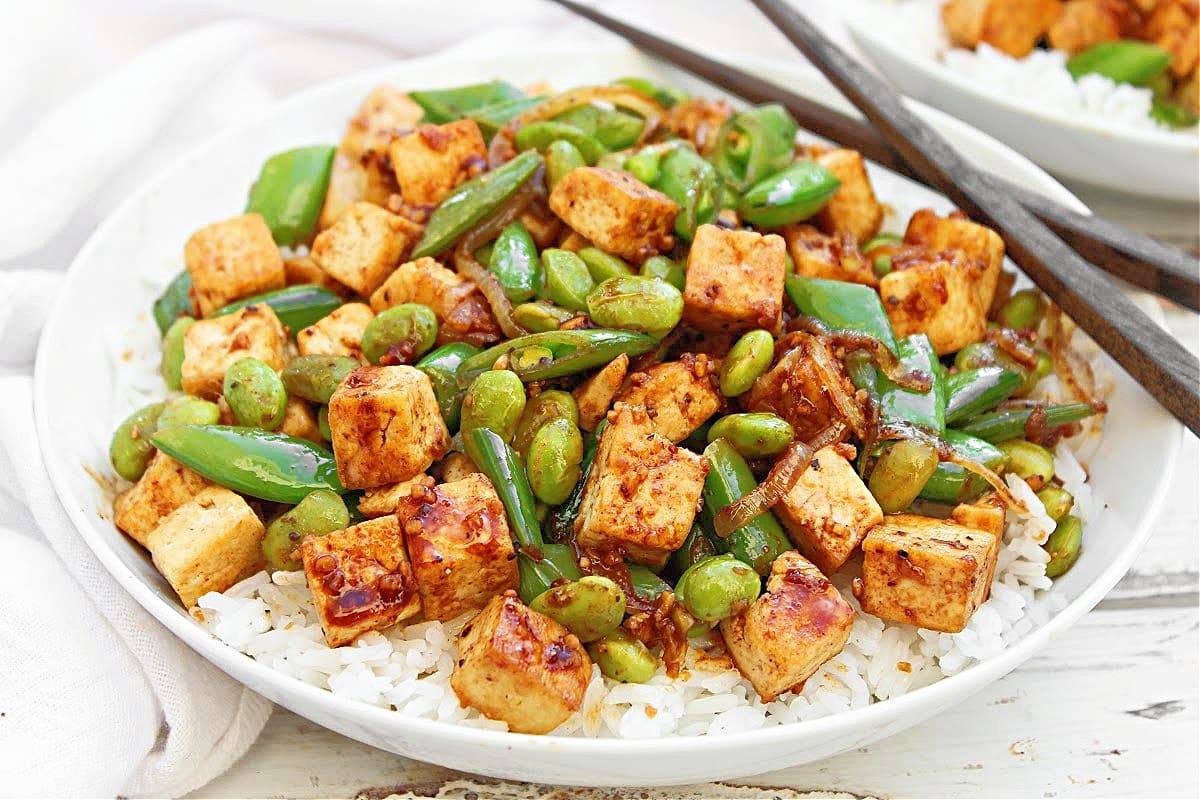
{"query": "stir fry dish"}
(616, 372)
(1150, 43)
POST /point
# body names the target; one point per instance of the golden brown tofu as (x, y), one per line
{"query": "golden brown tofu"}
(339, 333)
(300, 420)
(1173, 27)
(230, 260)
(459, 545)
(642, 492)
(853, 209)
(363, 247)
(1084, 24)
(595, 395)
(956, 232)
(798, 624)
(303, 270)
(456, 466)
(678, 395)
(360, 579)
(734, 281)
(542, 225)
(521, 667)
(835, 258)
(347, 186)
(431, 160)
(1187, 92)
(384, 114)
(829, 511)
(985, 514)
(936, 294)
(795, 390)
(386, 426)
(615, 210)
(932, 573)
(164, 486)
(207, 544)
(462, 311)
(698, 120)
(211, 346)
(1011, 26)
(384, 500)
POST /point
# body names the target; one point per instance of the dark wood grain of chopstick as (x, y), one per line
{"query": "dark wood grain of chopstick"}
(1134, 257)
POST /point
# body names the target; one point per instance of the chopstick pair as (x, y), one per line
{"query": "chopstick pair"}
(896, 138)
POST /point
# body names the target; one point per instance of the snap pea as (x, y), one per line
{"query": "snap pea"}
(514, 262)
(494, 400)
(255, 394)
(323, 423)
(561, 158)
(172, 353)
(842, 306)
(950, 483)
(448, 357)
(1123, 61)
(561, 522)
(399, 334)
(494, 116)
(880, 240)
(924, 409)
(623, 658)
(750, 356)
(447, 105)
(998, 426)
(665, 269)
(568, 281)
(296, 306)
(174, 302)
(557, 563)
(717, 588)
(645, 583)
(645, 163)
(1028, 460)
(270, 466)
(1057, 500)
(545, 407)
(290, 191)
(590, 607)
(319, 513)
(440, 366)
(540, 316)
(572, 352)
(1064, 546)
(316, 377)
(1173, 115)
(665, 96)
(539, 136)
(637, 303)
(602, 266)
(130, 449)
(754, 435)
(788, 196)
(760, 541)
(695, 186)
(553, 461)
(612, 128)
(973, 391)
(696, 547)
(1023, 310)
(754, 144)
(900, 473)
(987, 354)
(187, 410)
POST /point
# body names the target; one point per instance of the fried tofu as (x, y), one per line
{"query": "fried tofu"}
(854, 209)
(164, 486)
(384, 500)
(734, 281)
(433, 159)
(521, 667)
(386, 426)
(303, 270)
(642, 491)
(956, 232)
(230, 260)
(679, 395)
(798, 624)
(616, 211)
(835, 258)
(363, 247)
(985, 514)
(211, 346)
(207, 544)
(1011, 26)
(459, 545)
(461, 309)
(456, 466)
(937, 294)
(300, 420)
(829, 510)
(793, 389)
(360, 579)
(1084, 24)
(1173, 27)
(339, 333)
(595, 395)
(932, 573)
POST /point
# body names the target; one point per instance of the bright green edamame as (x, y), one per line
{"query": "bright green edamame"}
(1023, 310)
(749, 358)
(1026, 459)
(900, 473)
(636, 303)
(130, 449)
(602, 266)
(590, 607)
(1064, 546)
(188, 410)
(319, 513)
(400, 334)
(172, 352)
(540, 316)
(568, 282)
(561, 158)
(754, 435)
(553, 461)
(546, 407)
(717, 588)
(494, 400)
(316, 377)
(665, 269)
(623, 658)
(1057, 500)
(255, 394)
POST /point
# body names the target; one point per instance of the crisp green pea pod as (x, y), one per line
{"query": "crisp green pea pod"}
(613, 128)
(1172, 115)
(900, 474)
(695, 548)
(540, 316)
(316, 377)
(323, 423)
(130, 449)
(546, 407)
(1064, 546)
(754, 435)
(644, 164)
(951, 483)
(623, 658)
(553, 461)
(568, 282)
(1057, 500)
(290, 191)
(645, 583)
(750, 357)
(665, 96)
(558, 353)
(793, 195)
(172, 352)
(602, 266)
(1123, 61)
(695, 186)
(440, 366)
(188, 410)
(447, 105)
(495, 400)
(760, 541)
(973, 391)
(636, 303)
(590, 607)
(174, 302)
(494, 116)
(296, 306)
(998, 426)
(842, 306)
(319, 513)
(665, 269)
(515, 263)
(539, 136)
(754, 144)
(399, 334)
(556, 564)
(255, 394)
(1028, 460)
(1023, 310)
(717, 588)
(561, 158)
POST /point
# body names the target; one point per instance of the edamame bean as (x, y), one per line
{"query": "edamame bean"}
(553, 461)
(636, 303)
(750, 357)
(255, 394)
(546, 407)
(568, 282)
(188, 410)
(1029, 461)
(623, 658)
(316, 378)
(665, 269)
(590, 607)
(900, 473)
(602, 266)
(1064, 546)
(172, 352)
(540, 317)
(561, 158)
(1023, 310)
(754, 435)
(717, 588)
(495, 400)
(400, 334)
(323, 423)
(319, 513)
(1057, 500)
(130, 449)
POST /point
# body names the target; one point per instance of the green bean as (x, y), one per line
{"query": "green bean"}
(665, 269)
(174, 302)
(545, 407)
(978, 355)
(636, 303)
(540, 135)
(623, 658)
(717, 588)
(900, 473)
(321, 512)
(1027, 460)
(998, 426)
(561, 158)
(316, 377)
(400, 334)
(602, 266)
(255, 394)
(323, 423)
(296, 306)
(494, 400)
(172, 352)
(540, 316)
(1023, 310)
(972, 391)
(553, 461)
(590, 607)
(494, 116)
(130, 449)
(792, 195)
(1057, 500)
(571, 351)
(188, 410)
(515, 263)
(1064, 546)
(747, 360)
(568, 282)
(754, 435)
(696, 547)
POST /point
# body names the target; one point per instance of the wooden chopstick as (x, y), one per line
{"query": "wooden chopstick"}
(1156, 360)
(1134, 257)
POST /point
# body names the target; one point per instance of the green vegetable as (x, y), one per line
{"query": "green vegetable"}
(568, 282)
(571, 352)
(664, 269)
(637, 303)
(695, 186)
(1123, 61)
(494, 400)
(399, 334)
(664, 96)
(514, 262)
(323, 423)
(747, 360)
(1173, 115)
(645, 583)
(590, 607)
(760, 541)
(316, 377)
(494, 116)
(623, 658)
(553, 461)
(645, 163)
(447, 105)
(174, 302)
(612, 128)
(188, 410)
(130, 449)
(319, 513)
(1027, 460)
(950, 483)
(561, 522)
(926, 410)
(540, 316)
(296, 306)
(540, 135)
(255, 394)
(792, 195)
(754, 435)
(172, 353)
(973, 391)
(1057, 500)
(754, 144)
(842, 306)
(1023, 310)
(880, 240)
(695, 548)
(717, 588)
(290, 191)
(900, 473)
(545, 407)
(440, 366)
(998, 426)
(1064, 546)
(561, 158)
(602, 266)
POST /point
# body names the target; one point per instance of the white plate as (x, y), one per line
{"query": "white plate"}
(102, 294)
(1155, 163)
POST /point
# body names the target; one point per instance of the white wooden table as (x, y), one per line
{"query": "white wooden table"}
(1109, 709)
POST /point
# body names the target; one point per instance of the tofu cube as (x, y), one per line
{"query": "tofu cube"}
(936, 294)
(360, 579)
(734, 281)
(232, 259)
(985, 514)
(386, 426)
(616, 211)
(339, 333)
(207, 544)
(796, 391)
(595, 395)
(1011, 26)
(456, 466)
(521, 667)
(164, 486)
(956, 232)
(431, 160)
(300, 420)
(1084, 24)
(1172, 27)
(798, 624)
(854, 209)
(363, 247)
(678, 395)
(642, 492)
(462, 311)
(384, 500)
(829, 511)
(835, 258)
(298, 271)
(211, 346)
(932, 573)
(385, 113)
(542, 225)
(459, 545)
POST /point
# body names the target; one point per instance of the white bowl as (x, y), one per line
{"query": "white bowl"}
(146, 234)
